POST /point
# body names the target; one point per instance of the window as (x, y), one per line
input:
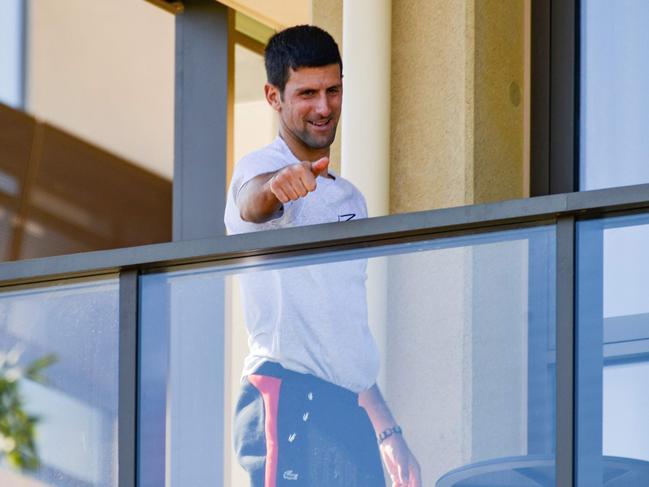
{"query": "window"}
(614, 102)
(12, 53)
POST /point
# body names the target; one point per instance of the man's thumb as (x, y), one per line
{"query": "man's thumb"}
(319, 166)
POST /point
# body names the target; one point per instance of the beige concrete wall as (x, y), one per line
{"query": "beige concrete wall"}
(432, 104)
(500, 100)
(458, 102)
(104, 71)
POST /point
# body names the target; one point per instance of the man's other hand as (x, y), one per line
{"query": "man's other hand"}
(400, 462)
(297, 180)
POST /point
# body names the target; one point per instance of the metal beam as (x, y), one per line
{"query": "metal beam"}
(589, 345)
(564, 98)
(540, 99)
(329, 236)
(153, 379)
(200, 142)
(565, 338)
(127, 403)
(554, 157)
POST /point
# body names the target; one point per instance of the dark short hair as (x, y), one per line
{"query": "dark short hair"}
(302, 46)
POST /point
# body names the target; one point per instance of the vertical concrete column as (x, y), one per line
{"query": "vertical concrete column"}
(367, 26)
(365, 148)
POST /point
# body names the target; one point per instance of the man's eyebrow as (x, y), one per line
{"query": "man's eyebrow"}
(305, 88)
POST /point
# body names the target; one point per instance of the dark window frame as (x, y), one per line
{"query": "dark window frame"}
(554, 147)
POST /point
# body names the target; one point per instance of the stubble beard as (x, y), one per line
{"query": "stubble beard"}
(317, 143)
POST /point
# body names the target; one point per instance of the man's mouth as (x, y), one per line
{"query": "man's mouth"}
(320, 123)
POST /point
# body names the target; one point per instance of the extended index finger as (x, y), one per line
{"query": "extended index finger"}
(319, 166)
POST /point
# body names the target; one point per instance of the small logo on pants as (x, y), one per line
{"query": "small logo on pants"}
(290, 475)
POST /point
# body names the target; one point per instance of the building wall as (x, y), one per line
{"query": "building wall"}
(104, 71)
(432, 104)
(501, 100)
(459, 94)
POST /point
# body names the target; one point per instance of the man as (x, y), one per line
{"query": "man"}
(310, 412)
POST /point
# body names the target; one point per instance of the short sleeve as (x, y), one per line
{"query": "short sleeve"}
(266, 160)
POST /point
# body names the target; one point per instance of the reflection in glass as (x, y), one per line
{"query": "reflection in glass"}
(17, 426)
(76, 402)
(85, 145)
(466, 334)
(614, 103)
(57, 194)
(613, 352)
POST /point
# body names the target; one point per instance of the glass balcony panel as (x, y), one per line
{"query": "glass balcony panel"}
(465, 331)
(613, 352)
(72, 326)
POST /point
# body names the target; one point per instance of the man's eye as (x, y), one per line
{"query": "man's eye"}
(308, 93)
(334, 90)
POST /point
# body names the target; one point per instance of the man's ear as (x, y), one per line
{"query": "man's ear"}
(273, 96)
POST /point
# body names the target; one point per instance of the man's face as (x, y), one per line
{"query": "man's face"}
(309, 109)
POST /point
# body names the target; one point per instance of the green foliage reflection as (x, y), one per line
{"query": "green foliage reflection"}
(17, 426)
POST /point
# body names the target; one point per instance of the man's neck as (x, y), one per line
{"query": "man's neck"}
(301, 152)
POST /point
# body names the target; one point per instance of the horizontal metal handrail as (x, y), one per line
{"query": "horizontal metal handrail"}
(331, 236)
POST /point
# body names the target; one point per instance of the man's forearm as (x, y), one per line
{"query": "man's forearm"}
(377, 409)
(261, 197)
(256, 202)
(399, 461)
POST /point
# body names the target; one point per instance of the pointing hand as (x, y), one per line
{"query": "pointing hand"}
(297, 180)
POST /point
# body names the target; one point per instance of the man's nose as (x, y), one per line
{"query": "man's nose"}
(323, 107)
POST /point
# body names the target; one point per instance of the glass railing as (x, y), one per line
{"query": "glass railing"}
(464, 327)
(471, 310)
(59, 383)
(613, 351)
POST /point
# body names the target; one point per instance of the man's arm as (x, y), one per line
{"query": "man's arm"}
(262, 197)
(399, 460)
